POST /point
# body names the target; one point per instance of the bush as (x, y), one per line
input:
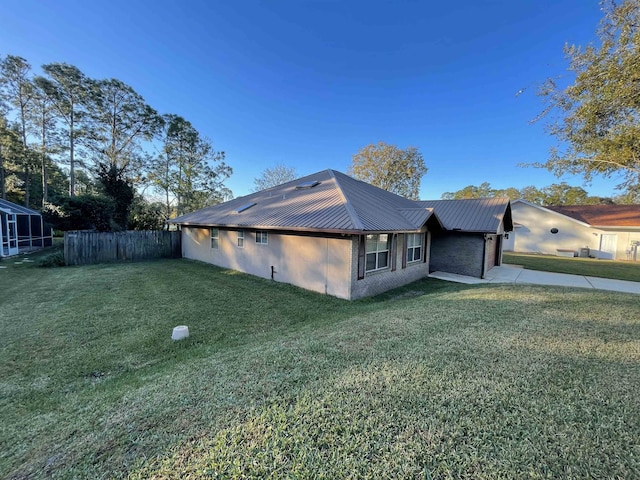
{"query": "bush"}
(83, 212)
(54, 259)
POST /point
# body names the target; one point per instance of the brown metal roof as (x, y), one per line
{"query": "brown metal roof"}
(473, 215)
(338, 203)
(602, 215)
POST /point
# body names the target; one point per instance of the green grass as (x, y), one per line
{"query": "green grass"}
(435, 380)
(577, 266)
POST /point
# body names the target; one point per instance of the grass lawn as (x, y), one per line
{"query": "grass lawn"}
(578, 266)
(435, 380)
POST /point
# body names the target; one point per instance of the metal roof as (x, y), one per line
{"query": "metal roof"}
(602, 215)
(473, 215)
(17, 209)
(337, 203)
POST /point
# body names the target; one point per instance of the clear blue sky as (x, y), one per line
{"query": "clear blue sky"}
(307, 83)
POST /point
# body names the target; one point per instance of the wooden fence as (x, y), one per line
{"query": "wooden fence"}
(84, 248)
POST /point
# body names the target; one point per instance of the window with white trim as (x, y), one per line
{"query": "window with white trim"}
(262, 237)
(377, 251)
(240, 240)
(215, 235)
(414, 247)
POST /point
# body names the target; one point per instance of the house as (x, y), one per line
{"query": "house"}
(472, 239)
(21, 229)
(599, 231)
(333, 234)
(325, 232)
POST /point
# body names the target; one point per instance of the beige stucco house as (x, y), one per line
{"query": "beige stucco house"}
(333, 234)
(599, 231)
(326, 232)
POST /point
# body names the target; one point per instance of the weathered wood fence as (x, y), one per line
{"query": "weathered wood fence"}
(83, 248)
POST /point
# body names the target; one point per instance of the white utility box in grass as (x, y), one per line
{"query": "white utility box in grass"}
(180, 332)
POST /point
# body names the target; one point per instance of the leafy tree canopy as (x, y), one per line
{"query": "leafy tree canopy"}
(390, 168)
(555, 194)
(596, 119)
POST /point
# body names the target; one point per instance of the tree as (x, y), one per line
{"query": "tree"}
(66, 86)
(598, 115)
(115, 187)
(120, 120)
(272, 177)
(42, 125)
(565, 194)
(390, 168)
(554, 194)
(189, 171)
(471, 191)
(18, 92)
(11, 151)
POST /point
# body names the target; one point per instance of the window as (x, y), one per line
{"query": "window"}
(414, 247)
(214, 238)
(241, 238)
(377, 251)
(261, 237)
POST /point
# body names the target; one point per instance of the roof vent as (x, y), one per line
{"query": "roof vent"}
(304, 185)
(244, 207)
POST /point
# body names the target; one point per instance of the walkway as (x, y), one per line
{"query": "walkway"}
(519, 275)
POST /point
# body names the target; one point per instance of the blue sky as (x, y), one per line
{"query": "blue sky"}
(308, 83)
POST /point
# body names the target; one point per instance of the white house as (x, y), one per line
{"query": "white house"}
(599, 231)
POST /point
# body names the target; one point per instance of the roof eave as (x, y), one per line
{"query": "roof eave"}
(298, 229)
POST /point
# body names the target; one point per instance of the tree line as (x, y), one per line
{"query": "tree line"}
(554, 194)
(85, 150)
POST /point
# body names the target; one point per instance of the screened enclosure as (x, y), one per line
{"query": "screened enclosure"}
(21, 229)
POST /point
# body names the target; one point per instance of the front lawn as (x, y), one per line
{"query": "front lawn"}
(435, 380)
(590, 267)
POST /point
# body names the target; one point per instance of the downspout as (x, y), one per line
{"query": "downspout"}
(484, 256)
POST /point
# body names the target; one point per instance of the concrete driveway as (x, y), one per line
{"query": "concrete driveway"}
(519, 275)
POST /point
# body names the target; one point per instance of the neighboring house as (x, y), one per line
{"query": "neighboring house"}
(471, 243)
(21, 229)
(326, 232)
(599, 231)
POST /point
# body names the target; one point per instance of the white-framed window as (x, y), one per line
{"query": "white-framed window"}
(377, 251)
(414, 247)
(215, 238)
(240, 238)
(262, 238)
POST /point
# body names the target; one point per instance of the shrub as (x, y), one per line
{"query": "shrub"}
(54, 259)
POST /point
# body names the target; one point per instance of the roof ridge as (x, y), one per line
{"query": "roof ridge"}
(347, 204)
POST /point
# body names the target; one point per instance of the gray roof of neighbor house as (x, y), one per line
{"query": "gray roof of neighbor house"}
(15, 208)
(485, 215)
(326, 201)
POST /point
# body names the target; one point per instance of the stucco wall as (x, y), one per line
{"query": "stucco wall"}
(533, 234)
(458, 253)
(381, 281)
(315, 263)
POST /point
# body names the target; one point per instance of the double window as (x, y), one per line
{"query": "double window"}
(215, 238)
(377, 251)
(261, 237)
(240, 239)
(414, 247)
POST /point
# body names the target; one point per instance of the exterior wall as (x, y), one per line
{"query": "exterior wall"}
(315, 263)
(533, 235)
(381, 281)
(460, 253)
